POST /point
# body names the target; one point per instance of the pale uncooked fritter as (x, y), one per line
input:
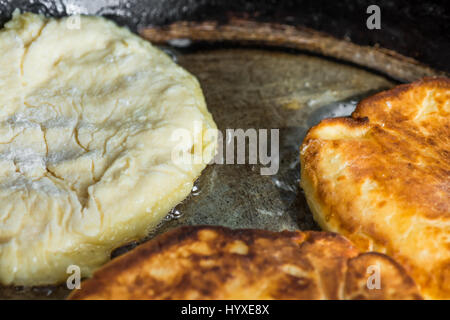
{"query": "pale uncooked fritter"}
(87, 117)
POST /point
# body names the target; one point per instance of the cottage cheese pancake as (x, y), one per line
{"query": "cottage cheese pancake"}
(207, 262)
(382, 178)
(87, 117)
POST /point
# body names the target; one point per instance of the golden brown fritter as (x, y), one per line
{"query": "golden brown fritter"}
(382, 178)
(219, 263)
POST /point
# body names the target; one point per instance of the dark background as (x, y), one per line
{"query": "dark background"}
(418, 29)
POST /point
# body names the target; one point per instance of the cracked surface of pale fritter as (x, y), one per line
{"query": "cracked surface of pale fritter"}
(382, 178)
(87, 114)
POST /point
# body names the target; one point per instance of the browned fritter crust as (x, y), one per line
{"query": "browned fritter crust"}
(206, 262)
(382, 178)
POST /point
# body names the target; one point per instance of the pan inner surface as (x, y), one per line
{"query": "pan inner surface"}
(256, 89)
